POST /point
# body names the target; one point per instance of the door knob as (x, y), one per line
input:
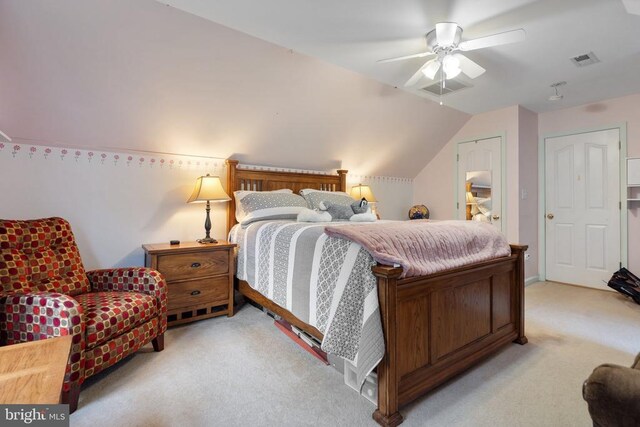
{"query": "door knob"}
(496, 217)
(550, 215)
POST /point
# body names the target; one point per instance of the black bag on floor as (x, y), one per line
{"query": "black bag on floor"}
(626, 283)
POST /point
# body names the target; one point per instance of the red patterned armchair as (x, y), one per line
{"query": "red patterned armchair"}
(45, 292)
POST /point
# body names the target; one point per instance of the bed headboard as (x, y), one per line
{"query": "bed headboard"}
(268, 180)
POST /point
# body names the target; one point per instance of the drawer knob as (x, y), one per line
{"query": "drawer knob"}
(194, 293)
(195, 265)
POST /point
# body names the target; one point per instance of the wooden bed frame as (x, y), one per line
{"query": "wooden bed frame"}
(435, 326)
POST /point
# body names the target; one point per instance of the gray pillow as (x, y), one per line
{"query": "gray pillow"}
(269, 205)
(314, 198)
(240, 194)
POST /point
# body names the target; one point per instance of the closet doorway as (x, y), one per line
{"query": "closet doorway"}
(480, 173)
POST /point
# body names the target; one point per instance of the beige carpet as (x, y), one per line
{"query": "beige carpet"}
(243, 371)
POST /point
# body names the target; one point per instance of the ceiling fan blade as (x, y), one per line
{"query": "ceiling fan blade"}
(470, 68)
(446, 33)
(493, 40)
(400, 58)
(418, 75)
(431, 69)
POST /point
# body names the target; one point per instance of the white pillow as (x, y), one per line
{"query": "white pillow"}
(240, 194)
(308, 215)
(363, 217)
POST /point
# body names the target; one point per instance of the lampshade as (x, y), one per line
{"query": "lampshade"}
(359, 191)
(208, 188)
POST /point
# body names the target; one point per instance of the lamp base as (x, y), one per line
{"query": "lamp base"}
(207, 240)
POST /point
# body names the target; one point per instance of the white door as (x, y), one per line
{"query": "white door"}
(476, 158)
(582, 207)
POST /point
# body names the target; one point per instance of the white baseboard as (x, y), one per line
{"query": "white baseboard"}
(529, 280)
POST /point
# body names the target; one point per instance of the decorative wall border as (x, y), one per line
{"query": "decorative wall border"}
(277, 169)
(350, 177)
(148, 159)
(376, 178)
(128, 158)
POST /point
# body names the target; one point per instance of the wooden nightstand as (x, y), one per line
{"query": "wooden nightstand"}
(199, 276)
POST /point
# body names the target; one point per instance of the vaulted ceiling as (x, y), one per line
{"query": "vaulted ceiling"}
(356, 33)
(289, 82)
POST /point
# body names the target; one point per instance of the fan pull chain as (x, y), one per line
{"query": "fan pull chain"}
(441, 83)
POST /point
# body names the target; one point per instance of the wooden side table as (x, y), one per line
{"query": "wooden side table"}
(199, 277)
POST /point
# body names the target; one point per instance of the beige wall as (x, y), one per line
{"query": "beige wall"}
(528, 187)
(602, 114)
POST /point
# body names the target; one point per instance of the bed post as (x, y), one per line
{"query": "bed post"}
(387, 414)
(343, 179)
(231, 179)
(519, 250)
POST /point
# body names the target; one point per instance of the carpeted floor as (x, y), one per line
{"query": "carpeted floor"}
(244, 372)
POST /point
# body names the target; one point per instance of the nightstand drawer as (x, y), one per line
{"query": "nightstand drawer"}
(193, 265)
(194, 292)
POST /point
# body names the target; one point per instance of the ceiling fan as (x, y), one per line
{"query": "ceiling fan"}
(444, 42)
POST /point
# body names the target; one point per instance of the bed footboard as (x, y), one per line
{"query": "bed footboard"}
(439, 325)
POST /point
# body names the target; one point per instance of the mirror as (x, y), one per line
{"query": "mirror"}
(478, 195)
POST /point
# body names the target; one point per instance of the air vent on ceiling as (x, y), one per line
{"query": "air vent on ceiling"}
(585, 59)
(450, 86)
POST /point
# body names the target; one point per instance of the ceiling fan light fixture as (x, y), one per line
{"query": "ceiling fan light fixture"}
(443, 42)
(452, 74)
(451, 66)
(431, 69)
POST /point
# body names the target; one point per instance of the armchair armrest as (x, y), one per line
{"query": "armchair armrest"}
(613, 393)
(41, 315)
(134, 279)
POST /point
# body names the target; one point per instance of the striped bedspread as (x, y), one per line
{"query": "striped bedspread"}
(324, 281)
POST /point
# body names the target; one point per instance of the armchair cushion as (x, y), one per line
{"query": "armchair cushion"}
(110, 314)
(42, 315)
(40, 255)
(134, 279)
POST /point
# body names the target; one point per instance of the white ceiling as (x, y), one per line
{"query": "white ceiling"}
(356, 33)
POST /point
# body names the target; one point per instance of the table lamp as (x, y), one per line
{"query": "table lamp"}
(208, 189)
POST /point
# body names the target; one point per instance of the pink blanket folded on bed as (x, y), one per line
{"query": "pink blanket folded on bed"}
(424, 247)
